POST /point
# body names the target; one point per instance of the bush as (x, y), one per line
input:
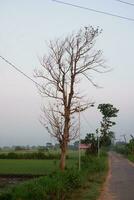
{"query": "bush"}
(34, 155)
(6, 196)
(93, 163)
(56, 186)
(122, 148)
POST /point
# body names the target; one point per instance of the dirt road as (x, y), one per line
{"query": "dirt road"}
(120, 182)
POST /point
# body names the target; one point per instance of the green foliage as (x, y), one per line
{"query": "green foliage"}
(131, 157)
(19, 148)
(92, 140)
(126, 148)
(94, 163)
(58, 185)
(53, 187)
(130, 146)
(108, 112)
(33, 155)
(94, 171)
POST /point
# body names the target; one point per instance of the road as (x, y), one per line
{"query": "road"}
(120, 181)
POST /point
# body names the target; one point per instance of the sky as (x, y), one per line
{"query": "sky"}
(25, 27)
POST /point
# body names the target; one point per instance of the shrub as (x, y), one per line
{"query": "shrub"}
(56, 186)
(93, 163)
(6, 196)
(34, 155)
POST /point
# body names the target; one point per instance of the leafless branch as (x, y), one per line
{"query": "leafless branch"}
(68, 61)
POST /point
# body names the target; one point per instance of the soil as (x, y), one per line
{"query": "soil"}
(11, 180)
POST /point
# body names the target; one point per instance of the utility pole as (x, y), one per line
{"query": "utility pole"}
(98, 143)
(79, 140)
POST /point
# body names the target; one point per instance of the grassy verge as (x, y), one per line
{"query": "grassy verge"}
(95, 177)
(91, 188)
(130, 157)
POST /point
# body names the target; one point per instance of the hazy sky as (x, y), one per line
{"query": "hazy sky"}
(25, 26)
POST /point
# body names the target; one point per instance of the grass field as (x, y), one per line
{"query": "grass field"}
(16, 166)
(31, 166)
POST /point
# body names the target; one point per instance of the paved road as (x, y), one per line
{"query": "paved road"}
(120, 183)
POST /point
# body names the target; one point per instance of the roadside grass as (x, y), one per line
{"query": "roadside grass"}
(130, 157)
(91, 187)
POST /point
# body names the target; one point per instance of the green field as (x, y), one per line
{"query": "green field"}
(70, 184)
(44, 166)
(31, 166)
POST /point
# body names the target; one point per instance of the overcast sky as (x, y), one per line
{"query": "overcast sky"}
(25, 26)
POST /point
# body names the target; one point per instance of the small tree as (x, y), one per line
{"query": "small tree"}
(69, 60)
(108, 112)
(130, 145)
(92, 141)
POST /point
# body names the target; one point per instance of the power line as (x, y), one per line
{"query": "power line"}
(94, 10)
(18, 70)
(128, 3)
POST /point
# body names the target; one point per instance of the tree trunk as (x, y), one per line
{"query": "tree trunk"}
(63, 159)
(65, 139)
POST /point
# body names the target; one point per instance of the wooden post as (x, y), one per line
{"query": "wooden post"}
(79, 141)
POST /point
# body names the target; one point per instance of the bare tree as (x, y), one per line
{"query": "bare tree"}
(68, 60)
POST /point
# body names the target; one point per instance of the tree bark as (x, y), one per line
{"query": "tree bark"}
(65, 139)
(63, 158)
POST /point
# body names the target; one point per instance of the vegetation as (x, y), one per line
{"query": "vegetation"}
(69, 60)
(31, 155)
(130, 146)
(92, 141)
(91, 188)
(126, 149)
(108, 112)
(35, 167)
(59, 185)
(27, 166)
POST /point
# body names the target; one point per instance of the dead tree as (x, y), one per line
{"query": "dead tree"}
(68, 60)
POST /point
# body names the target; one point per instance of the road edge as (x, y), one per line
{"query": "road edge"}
(104, 190)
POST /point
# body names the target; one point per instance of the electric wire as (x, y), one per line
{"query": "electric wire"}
(93, 10)
(20, 71)
(124, 2)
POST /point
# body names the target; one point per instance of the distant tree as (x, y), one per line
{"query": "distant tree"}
(76, 145)
(91, 139)
(19, 148)
(41, 148)
(108, 112)
(69, 60)
(130, 145)
(49, 145)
